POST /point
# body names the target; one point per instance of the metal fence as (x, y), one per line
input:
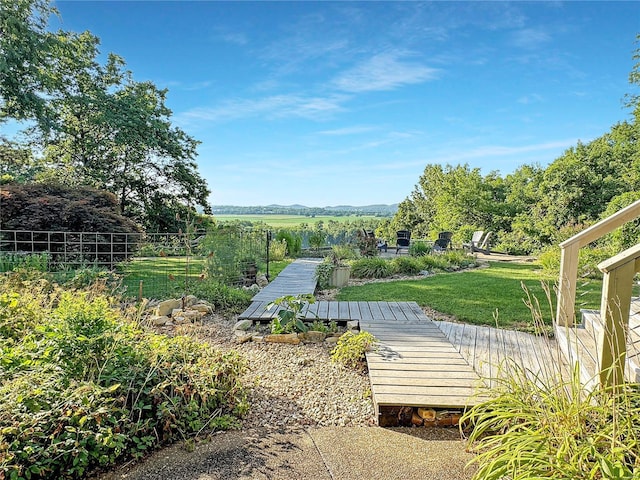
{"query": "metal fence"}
(150, 264)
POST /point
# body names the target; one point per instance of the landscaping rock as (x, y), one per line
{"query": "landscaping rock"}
(261, 280)
(167, 306)
(291, 338)
(353, 325)
(427, 414)
(159, 320)
(202, 307)
(243, 325)
(312, 336)
(416, 420)
(190, 300)
(176, 312)
(331, 340)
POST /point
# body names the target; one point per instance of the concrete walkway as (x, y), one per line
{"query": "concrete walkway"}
(330, 453)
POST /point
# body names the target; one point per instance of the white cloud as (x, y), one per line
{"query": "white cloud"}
(530, 38)
(385, 71)
(347, 131)
(531, 98)
(276, 106)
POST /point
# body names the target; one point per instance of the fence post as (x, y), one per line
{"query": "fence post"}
(268, 244)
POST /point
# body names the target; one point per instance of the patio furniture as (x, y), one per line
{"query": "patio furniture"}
(403, 239)
(476, 239)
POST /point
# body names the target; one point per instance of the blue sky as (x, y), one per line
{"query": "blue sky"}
(329, 103)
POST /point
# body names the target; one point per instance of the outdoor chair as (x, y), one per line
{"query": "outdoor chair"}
(476, 239)
(441, 244)
(403, 240)
(444, 240)
(483, 247)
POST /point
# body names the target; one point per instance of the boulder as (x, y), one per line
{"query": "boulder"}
(312, 336)
(261, 280)
(190, 300)
(167, 306)
(202, 307)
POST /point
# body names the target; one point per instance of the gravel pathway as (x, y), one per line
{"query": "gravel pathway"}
(295, 385)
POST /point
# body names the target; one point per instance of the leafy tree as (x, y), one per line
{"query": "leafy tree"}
(108, 131)
(25, 47)
(50, 207)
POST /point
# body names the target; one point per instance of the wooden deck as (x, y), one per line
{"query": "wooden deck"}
(418, 362)
(493, 352)
(415, 365)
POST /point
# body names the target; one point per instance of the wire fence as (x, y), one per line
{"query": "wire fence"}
(149, 264)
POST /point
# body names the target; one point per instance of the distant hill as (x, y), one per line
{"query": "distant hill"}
(380, 210)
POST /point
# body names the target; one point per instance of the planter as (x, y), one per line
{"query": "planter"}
(340, 276)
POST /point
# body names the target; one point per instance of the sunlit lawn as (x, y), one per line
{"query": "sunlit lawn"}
(163, 277)
(478, 296)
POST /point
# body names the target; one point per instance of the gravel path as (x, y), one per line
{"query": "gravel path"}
(295, 385)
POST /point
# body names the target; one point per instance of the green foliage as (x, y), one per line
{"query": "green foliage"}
(83, 386)
(293, 241)
(408, 265)
(223, 297)
(228, 249)
(341, 253)
(278, 250)
(290, 317)
(351, 348)
(320, 326)
(536, 428)
(323, 274)
(419, 248)
(10, 262)
(373, 267)
(317, 239)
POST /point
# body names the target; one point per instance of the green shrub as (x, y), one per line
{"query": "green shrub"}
(407, 265)
(293, 241)
(290, 318)
(372, 267)
(222, 297)
(340, 253)
(419, 248)
(277, 250)
(324, 271)
(10, 262)
(84, 386)
(351, 348)
(588, 260)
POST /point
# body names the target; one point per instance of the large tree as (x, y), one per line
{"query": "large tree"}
(96, 125)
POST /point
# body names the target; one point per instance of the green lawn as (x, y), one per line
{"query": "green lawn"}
(283, 221)
(474, 296)
(163, 277)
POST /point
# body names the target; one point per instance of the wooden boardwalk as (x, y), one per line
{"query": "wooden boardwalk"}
(418, 362)
(493, 352)
(297, 278)
(415, 365)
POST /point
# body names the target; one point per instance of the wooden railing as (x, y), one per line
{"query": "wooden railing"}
(570, 249)
(614, 311)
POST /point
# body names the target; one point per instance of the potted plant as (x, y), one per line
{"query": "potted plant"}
(340, 270)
